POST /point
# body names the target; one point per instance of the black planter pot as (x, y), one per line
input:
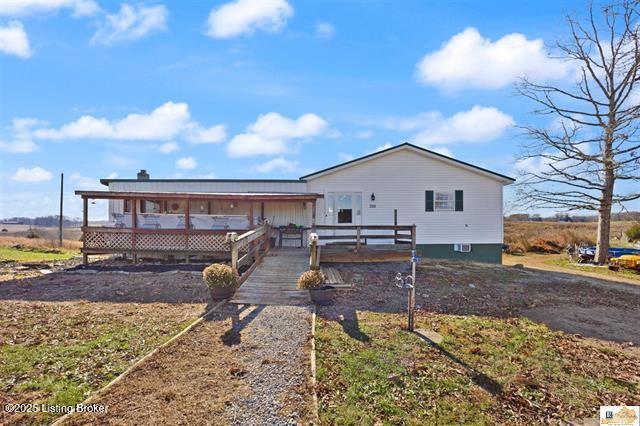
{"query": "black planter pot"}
(323, 295)
(219, 293)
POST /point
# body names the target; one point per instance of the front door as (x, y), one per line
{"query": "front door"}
(344, 208)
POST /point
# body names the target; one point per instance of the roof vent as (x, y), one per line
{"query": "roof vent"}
(143, 175)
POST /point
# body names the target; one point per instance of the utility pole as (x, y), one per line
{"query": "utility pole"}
(60, 218)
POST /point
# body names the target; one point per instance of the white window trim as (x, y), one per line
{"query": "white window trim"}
(451, 195)
(462, 247)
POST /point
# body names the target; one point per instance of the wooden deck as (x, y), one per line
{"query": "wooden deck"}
(273, 282)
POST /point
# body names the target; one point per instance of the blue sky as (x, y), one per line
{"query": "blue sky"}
(257, 88)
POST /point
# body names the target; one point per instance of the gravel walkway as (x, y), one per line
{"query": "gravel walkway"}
(242, 365)
(276, 362)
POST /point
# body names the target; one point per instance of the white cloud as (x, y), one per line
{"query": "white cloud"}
(442, 150)
(470, 60)
(131, 23)
(479, 124)
(168, 147)
(271, 133)
(168, 121)
(343, 157)
(14, 40)
(33, 175)
(214, 134)
(112, 175)
(186, 163)
(364, 134)
(31, 7)
(279, 164)
(325, 30)
(79, 181)
(244, 17)
(18, 146)
(19, 139)
(383, 147)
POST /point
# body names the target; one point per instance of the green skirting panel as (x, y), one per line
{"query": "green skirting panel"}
(487, 253)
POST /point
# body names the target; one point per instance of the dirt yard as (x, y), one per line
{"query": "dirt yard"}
(63, 336)
(521, 346)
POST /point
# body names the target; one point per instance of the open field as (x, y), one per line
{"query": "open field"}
(64, 336)
(553, 237)
(520, 347)
(46, 233)
(561, 263)
(22, 249)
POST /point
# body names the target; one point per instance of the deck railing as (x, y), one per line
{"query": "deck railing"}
(359, 235)
(248, 249)
(130, 240)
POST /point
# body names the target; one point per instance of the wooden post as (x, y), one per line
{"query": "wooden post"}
(134, 227)
(251, 214)
(413, 237)
(85, 223)
(187, 227)
(262, 211)
(395, 223)
(313, 216)
(61, 197)
(231, 238)
(358, 231)
(314, 260)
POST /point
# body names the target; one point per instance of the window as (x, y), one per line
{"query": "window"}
(198, 207)
(445, 201)
(463, 248)
(344, 206)
(150, 206)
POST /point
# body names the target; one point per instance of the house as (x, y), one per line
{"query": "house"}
(456, 207)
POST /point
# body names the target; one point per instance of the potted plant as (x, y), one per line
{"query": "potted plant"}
(221, 280)
(314, 281)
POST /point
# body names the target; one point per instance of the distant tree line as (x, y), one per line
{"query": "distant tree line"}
(45, 221)
(565, 217)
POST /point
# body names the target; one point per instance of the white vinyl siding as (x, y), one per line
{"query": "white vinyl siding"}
(399, 180)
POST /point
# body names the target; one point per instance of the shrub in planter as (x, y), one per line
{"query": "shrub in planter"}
(314, 281)
(220, 280)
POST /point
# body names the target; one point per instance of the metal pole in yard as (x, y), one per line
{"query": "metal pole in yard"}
(60, 218)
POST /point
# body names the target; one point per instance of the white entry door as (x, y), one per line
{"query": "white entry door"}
(344, 208)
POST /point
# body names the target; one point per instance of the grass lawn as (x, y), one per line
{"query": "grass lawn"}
(486, 371)
(60, 353)
(564, 263)
(35, 254)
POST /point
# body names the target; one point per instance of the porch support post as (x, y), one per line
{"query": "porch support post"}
(85, 223)
(395, 223)
(313, 216)
(262, 211)
(134, 227)
(251, 214)
(187, 227)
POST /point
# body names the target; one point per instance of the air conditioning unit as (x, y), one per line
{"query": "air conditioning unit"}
(463, 248)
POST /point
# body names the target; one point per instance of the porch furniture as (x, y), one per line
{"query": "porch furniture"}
(288, 233)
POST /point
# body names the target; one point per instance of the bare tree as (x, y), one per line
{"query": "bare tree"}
(595, 141)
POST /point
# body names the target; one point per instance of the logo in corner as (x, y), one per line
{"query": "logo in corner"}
(620, 415)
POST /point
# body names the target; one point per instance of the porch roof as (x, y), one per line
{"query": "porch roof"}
(235, 196)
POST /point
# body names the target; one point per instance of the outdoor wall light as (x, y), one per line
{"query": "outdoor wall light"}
(373, 196)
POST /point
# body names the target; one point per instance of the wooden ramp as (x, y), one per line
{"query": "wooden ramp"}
(273, 282)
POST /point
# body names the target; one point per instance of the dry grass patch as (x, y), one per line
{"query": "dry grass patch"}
(486, 371)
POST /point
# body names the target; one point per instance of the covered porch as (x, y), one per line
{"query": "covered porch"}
(185, 224)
